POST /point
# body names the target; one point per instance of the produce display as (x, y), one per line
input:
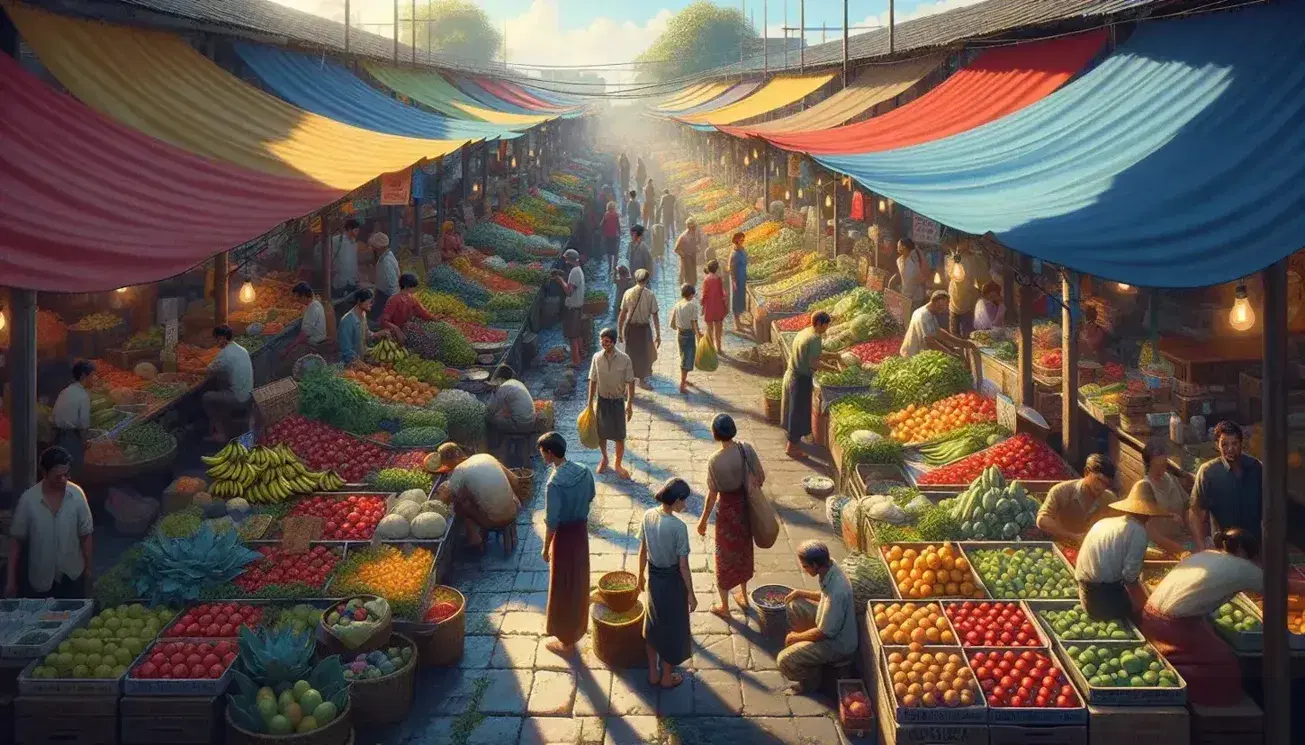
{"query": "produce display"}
(857, 377)
(507, 243)
(1020, 457)
(111, 640)
(441, 611)
(192, 359)
(428, 371)
(387, 352)
(1024, 573)
(926, 422)
(345, 517)
(378, 663)
(445, 278)
(264, 475)
(923, 378)
(873, 352)
(323, 447)
(465, 415)
(279, 574)
(137, 443)
(487, 278)
(186, 660)
(931, 571)
(389, 572)
(959, 443)
(176, 570)
(931, 679)
(401, 477)
(337, 401)
(991, 508)
(391, 386)
(311, 696)
(97, 322)
(1074, 624)
(214, 621)
(356, 620)
(1025, 679)
(1122, 666)
(994, 624)
(868, 575)
(906, 623)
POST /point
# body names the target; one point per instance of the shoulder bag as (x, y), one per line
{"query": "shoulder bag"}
(761, 513)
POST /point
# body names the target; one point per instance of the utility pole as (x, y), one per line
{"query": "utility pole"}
(743, 38)
(346, 26)
(785, 34)
(765, 37)
(890, 26)
(844, 43)
(396, 32)
(802, 36)
(413, 19)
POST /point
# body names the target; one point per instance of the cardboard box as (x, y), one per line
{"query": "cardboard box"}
(1154, 725)
(1005, 734)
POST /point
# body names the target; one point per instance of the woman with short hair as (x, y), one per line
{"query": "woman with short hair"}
(728, 473)
(664, 554)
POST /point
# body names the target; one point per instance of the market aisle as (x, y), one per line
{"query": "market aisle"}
(732, 688)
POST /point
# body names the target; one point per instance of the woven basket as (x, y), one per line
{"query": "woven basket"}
(772, 409)
(770, 365)
(1053, 373)
(523, 484)
(619, 644)
(441, 644)
(328, 643)
(386, 700)
(275, 401)
(619, 601)
(338, 732)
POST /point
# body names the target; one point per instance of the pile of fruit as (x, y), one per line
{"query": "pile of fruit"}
(992, 625)
(192, 359)
(324, 447)
(280, 574)
(1028, 679)
(874, 351)
(477, 334)
(50, 330)
(299, 708)
(1122, 666)
(991, 509)
(1231, 618)
(930, 572)
(1020, 457)
(111, 377)
(391, 386)
(351, 517)
(427, 371)
(388, 572)
(1295, 611)
(97, 322)
(929, 680)
(108, 644)
(378, 663)
(264, 475)
(1050, 359)
(1024, 573)
(186, 661)
(487, 278)
(387, 352)
(922, 423)
(906, 623)
(298, 618)
(1074, 624)
(214, 621)
(855, 704)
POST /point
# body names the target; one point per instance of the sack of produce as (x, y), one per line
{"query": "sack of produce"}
(882, 508)
(356, 621)
(587, 425)
(705, 358)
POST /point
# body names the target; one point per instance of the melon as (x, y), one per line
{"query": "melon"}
(406, 509)
(238, 504)
(123, 396)
(437, 507)
(413, 495)
(392, 527)
(431, 463)
(429, 526)
(146, 370)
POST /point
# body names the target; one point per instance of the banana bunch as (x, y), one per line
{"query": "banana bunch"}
(231, 470)
(281, 475)
(388, 352)
(329, 481)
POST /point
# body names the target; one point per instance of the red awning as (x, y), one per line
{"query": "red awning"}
(998, 83)
(513, 94)
(88, 204)
(529, 98)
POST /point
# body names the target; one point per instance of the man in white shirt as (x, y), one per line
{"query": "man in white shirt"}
(1110, 559)
(344, 259)
(912, 270)
(312, 328)
(232, 377)
(52, 535)
(387, 275)
(511, 408)
(924, 324)
(573, 287)
(71, 415)
(611, 396)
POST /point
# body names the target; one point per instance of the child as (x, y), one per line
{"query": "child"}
(623, 281)
(684, 319)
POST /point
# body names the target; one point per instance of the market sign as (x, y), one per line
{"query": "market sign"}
(925, 231)
(794, 166)
(396, 188)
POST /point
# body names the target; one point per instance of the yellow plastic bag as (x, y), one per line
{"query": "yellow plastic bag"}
(587, 424)
(706, 359)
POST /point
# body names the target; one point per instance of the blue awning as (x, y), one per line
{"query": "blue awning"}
(326, 88)
(1178, 162)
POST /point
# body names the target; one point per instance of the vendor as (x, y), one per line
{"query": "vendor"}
(1092, 336)
(1072, 507)
(1169, 494)
(1174, 618)
(403, 307)
(450, 242)
(964, 292)
(511, 410)
(71, 415)
(387, 274)
(353, 332)
(344, 259)
(312, 329)
(990, 311)
(823, 624)
(480, 491)
(1227, 493)
(232, 376)
(799, 382)
(1110, 560)
(912, 270)
(51, 536)
(924, 324)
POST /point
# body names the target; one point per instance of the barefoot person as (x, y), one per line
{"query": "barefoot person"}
(611, 396)
(640, 328)
(799, 382)
(567, 497)
(823, 623)
(727, 479)
(684, 321)
(664, 552)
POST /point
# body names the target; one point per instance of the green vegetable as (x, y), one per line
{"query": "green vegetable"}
(852, 376)
(181, 524)
(883, 451)
(400, 479)
(114, 587)
(923, 378)
(465, 415)
(172, 570)
(868, 575)
(419, 436)
(145, 440)
(328, 398)
(774, 390)
(1006, 351)
(507, 307)
(283, 666)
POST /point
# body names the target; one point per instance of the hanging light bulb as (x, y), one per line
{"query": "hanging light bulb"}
(1124, 287)
(2, 321)
(799, 192)
(475, 188)
(937, 278)
(787, 195)
(247, 293)
(121, 290)
(883, 206)
(514, 162)
(829, 201)
(1242, 315)
(532, 152)
(820, 182)
(755, 154)
(747, 161)
(957, 272)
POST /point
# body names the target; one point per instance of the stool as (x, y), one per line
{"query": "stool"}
(831, 674)
(507, 534)
(516, 449)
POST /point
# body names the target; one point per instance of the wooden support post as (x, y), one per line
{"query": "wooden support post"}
(765, 178)
(484, 175)
(466, 172)
(328, 262)
(1008, 290)
(1277, 671)
(437, 193)
(22, 381)
(1069, 371)
(838, 198)
(1025, 348)
(221, 288)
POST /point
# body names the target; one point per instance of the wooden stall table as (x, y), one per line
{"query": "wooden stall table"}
(1213, 362)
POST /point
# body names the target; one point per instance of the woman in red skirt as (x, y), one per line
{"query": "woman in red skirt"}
(713, 303)
(728, 472)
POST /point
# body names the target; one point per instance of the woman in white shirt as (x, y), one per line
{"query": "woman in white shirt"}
(1110, 559)
(51, 536)
(913, 271)
(990, 311)
(684, 319)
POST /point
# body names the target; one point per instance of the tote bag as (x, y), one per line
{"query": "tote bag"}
(761, 513)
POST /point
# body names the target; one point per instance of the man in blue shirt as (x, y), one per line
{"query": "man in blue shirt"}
(353, 332)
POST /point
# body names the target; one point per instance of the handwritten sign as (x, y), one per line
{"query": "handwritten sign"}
(898, 305)
(1007, 412)
(396, 188)
(794, 166)
(170, 335)
(299, 531)
(925, 231)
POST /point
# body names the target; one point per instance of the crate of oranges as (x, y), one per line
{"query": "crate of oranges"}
(933, 685)
(898, 624)
(930, 570)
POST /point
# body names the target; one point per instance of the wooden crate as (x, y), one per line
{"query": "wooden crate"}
(171, 720)
(893, 733)
(1006, 734)
(1230, 725)
(66, 720)
(1154, 725)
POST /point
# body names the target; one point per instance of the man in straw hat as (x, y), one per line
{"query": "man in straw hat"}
(1110, 559)
(387, 275)
(479, 489)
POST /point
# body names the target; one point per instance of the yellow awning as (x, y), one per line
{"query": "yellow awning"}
(672, 102)
(707, 93)
(777, 93)
(431, 89)
(871, 88)
(157, 83)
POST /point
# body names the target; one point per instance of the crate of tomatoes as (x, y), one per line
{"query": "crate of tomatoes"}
(1025, 687)
(1021, 457)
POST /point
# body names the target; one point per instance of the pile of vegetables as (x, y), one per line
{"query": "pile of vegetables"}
(400, 480)
(802, 297)
(419, 436)
(872, 352)
(173, 570)
(438, 340)
(426, 370)
(530, 275)
(992, 509)
(959, 443)
(388, 572)
(868, 575)
(857, 377)
(486, 277)
(151, 338)
(508, 308)
(444, 305)
(854, 413)
(507, 243)
(465, 415)
(328, 398)
(778, 262)
(444, 278)
(143, 441)
(923, 378)
(478, 334)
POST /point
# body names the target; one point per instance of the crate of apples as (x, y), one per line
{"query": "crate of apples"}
(281, 574)
(933, 685)
(930, 571)
(854, 711)
(182, 668)
(351, 517)
(1026, 688)
(214, 620)
(904, 623)
(992, 624)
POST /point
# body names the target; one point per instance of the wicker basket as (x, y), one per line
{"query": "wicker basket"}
(338, 732)
(275, 401)
(621, 644)
(1047, 372)
(523, 484)
(328, 643)
(594, 308)
(441, 644)
(386, 700)
(619, 601)
(770, 365)
(772, 409)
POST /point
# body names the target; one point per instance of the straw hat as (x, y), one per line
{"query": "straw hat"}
(379, 240)
(450, 455)
(1140, 501)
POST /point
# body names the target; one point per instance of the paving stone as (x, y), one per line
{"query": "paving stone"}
(811, 705)
(528, 601)
(817, 731)
(552, 693)
(631, 693)
(495, 731)
(677, 701)
(531, 581)
(506, 692)
(779, 730)
(592, 730)
(530, 623)
(631, 730)
(514, 652)
(476, 651)
(764, 694)
(714, 652)
(593, 693)
(717, 693)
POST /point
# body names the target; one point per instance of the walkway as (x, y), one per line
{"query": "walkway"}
(509, 689)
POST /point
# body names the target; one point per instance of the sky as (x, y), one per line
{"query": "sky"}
(596, 32)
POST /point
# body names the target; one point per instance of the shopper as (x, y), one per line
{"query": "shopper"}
(344, 259)
(728, 472)
(623, 173)
(684, 321)
(50, 547)
(511, 409)
(403, 307)
(1228, 490)
(649, 203)
(990, 310)
(664, 558)
(632, 209)
(611, 396)
(71, 415)
(352, 331)
(231, 377)
(312, 327)
(639, 326)
(567, 497)
(666, 211)
(387, 275)
(1110, 560)
(479, 489)
(737, 267)
(640, 171)
(573, 287)
(687, 247)
(924, 324)
(913, 271)
(640, 255)
(822, 624)
(1072, 507)
(610, 227)
(1169, 494)
(713, 303)
(799, 382)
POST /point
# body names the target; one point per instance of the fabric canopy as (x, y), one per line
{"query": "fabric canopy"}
(89, 204)
(158, 84)
(776, 94)
(324, 87)
(684, 96)
(480, 93)
(1000, 82)
(1178, 162)
(735, 93)
(872, 87)
(431, 89)
(509, 91)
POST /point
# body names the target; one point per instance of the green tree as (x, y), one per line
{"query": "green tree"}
(698, 38)
(453, 28)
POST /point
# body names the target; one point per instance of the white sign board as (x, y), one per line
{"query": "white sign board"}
(925, 231)
(169, 308)
(170, 334)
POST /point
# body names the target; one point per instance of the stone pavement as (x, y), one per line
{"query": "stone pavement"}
(509, 689)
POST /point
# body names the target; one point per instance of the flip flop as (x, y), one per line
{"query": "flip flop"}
(676, 679)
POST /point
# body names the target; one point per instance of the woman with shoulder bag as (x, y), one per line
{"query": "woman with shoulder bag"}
(728, 474)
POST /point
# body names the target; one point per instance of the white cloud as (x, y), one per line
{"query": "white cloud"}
(920, 11)
(537, 37)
